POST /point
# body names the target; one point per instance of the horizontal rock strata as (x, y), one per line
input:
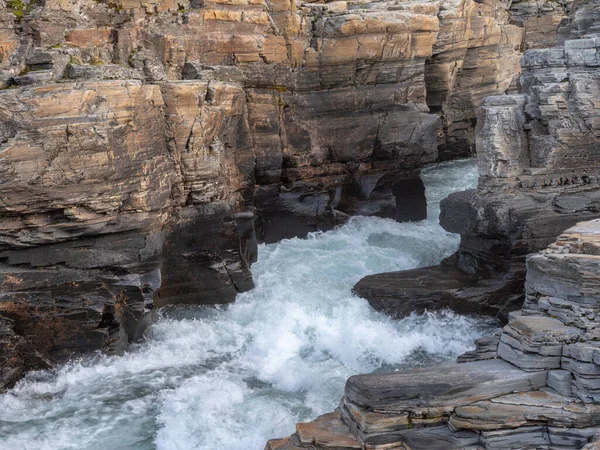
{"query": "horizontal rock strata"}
(539, 173)
(142, 144)
(535, 384)
(117, 195)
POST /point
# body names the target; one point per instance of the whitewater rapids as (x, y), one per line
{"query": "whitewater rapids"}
(230, 378)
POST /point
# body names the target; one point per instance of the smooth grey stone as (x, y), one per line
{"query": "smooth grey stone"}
(527, 361)
(435, 438)
(560, 381)
(581, 351)
(447, 384)
(571, 437)
(579, 367)
(524, 437)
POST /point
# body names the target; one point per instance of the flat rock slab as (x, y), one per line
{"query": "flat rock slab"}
(327, 432)
(435, 438)
(524, 438)
(526, 409)
(440, 386)
(281, 444)
(365, 421)
(583, 351)
(400, 293)
(527, 361)
(541, 330)
(535, 342)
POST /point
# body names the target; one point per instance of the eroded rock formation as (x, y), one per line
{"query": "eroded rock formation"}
(139, 141)
(535, 385)
(112, 190)
(539, 166)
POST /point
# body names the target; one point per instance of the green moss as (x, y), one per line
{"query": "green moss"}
(96, 61)
(132, 54)
(20, 9)
(75, 60)
(8, 86)
(115, 6)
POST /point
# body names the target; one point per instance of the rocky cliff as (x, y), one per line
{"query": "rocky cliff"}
(141, 142)
(539, 166)
(342, 99)
(534, 385)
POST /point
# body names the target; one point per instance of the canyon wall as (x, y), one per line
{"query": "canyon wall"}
(534, 384)
(539, 157)
(539, 165)
(142, 142)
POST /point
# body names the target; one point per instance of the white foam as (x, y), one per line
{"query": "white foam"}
(232, 377)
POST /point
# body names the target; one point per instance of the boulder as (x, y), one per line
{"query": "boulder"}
(399, 294)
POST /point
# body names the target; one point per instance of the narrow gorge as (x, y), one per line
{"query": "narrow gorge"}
(233, 377)
(215, 212)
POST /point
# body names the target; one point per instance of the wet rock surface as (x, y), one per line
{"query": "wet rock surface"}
(398, 294)
(439, 386)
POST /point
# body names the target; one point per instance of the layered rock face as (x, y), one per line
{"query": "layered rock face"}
(538, 154)
(116, 196)
(539, 174)
(534, 385)
(137, 139)
(339, 95)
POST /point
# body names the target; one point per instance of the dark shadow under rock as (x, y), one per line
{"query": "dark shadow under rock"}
(305, 207)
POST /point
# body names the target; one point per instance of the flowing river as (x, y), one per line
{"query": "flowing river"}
(230, 378)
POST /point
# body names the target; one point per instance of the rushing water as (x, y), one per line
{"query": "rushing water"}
(229, 378)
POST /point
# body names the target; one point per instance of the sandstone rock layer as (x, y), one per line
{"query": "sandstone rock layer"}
(141, 143)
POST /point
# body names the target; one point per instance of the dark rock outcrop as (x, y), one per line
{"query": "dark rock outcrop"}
(398, 294)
